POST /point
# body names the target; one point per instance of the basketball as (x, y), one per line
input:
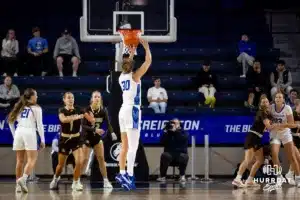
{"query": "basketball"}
(131, 37)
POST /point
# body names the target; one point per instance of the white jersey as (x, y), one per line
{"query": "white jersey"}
(30, 118)
(131, 90)
(280, 117)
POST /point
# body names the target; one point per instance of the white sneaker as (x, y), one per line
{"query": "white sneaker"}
(15, 74)
(54, 183)
(44, 73)
(22, 183)
(290, 178)
(251, 184)
(161, 179)
(182, 179)
(4, 74)
(61, 74)
(77, 186)
(18, 189)
(238, 183)
(107, 184)
(74, 74)
(243, 76)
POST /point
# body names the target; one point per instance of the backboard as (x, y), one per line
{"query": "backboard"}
(102, 19)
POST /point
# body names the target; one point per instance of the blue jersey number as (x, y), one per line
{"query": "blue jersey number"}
(25, 113)
(125, 85)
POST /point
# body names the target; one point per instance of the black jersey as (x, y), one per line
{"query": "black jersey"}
(296, 118)
(258, 125)
(71, 127)
(101, 116)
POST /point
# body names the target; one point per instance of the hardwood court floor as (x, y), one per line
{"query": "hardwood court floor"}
(217, 190)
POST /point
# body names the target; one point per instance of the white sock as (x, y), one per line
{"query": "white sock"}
(122, 172)
(74, 73)
(291, 172)
(61, 74)
(250, 179)
(238, 177)
(25, 177)
(105, 180)
(133, 136)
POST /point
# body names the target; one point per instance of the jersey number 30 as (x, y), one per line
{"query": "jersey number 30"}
(25, 113)
(125, 85)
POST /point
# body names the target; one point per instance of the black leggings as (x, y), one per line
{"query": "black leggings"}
(10, 65)
(167, 158)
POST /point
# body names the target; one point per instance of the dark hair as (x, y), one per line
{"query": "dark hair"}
(35, 29)
(19, 106)
(294, 90)
(155, 78)
(280, 62)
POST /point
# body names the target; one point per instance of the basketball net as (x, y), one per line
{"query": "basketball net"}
(125, 48)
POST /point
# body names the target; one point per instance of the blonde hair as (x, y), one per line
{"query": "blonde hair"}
(98, 105)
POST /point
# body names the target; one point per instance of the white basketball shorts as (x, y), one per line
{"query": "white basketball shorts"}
(278, 138)
(25, 139)
(129, 118)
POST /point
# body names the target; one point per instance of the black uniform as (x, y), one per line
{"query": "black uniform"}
(90, 137)
(254, 137)
(296, 139)
(73, 142)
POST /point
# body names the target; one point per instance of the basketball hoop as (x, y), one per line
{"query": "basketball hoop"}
(130, 37)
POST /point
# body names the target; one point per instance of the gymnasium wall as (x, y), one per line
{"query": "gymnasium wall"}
(223, 160)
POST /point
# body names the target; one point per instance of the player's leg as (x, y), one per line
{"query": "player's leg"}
(20, 156)
(85, 158)
(99, 152)
(77, 153)
(62, 157)
(259, 160)
(290, 148)
(249, 155)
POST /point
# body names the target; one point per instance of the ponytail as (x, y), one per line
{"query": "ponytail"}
(18, 108)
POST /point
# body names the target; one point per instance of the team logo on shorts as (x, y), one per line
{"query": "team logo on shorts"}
(115, 151)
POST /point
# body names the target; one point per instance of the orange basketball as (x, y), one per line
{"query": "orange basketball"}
(131, 37)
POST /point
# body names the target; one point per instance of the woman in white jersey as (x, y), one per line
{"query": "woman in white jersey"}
(29, 121)
(283, 114)
(130, 115)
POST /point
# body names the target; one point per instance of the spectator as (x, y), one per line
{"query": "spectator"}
(38, 53)
(207, 82)
(281, 79)
(157, 97)
(66, 52)
(10, 49)
(9, 93)
(175, 142)
(257, 84)
(247, 51)
(291, 98)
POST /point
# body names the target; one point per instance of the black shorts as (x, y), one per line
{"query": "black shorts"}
(69, 145)
(296, 140)
(253, 141)
(91, 139)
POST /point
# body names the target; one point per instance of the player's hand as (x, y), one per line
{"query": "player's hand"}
(42, 146)
(144, 43)
(100, 131)
(93, 120)
(114, 136)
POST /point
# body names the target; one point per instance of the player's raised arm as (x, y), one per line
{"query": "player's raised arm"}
(145, 66)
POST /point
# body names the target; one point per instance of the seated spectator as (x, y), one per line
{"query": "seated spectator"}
(38, 52)
(9, 93)
(207, 82)
(175, 142)
(281, 79)
(157, 97)
(10, 49)
(54, 154)
(247, 51)
(291, 98)
(257, 85)
(66, 52)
